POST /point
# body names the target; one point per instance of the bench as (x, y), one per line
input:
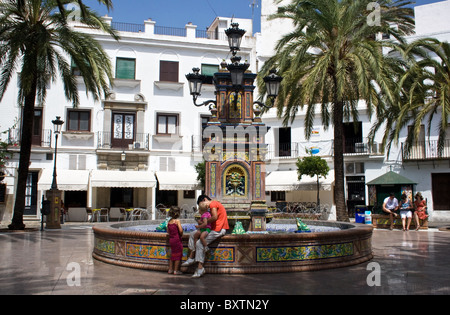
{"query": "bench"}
(381, 221)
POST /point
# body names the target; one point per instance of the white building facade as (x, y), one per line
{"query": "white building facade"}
(362, 163)
(138, 147)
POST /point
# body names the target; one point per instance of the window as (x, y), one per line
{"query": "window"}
(284, 142)
(79, 120)
(353, 138)
(277, 196)
(168, 71)
(125, 68)
(167, 124)
(75, 70)
(36, 137)
(208, 71)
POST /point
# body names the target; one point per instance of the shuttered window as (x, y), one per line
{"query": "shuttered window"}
(208, 71)
(167, 124)
(125, 68)
(168, 71)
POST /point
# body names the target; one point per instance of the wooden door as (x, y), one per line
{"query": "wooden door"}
(440, 185)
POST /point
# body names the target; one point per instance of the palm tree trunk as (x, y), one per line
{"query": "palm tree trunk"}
(24, 160)
(339, 189)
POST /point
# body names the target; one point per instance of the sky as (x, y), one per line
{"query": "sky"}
(177, 13)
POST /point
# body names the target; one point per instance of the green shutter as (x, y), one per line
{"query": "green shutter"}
(209, 70)
(125, 68)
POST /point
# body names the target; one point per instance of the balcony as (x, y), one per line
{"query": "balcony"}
(354, 146)
(426, 151)
(43, 140)
(139, 142)
(167, 31)
(282, 151)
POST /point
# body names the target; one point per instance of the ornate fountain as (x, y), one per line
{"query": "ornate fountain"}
(235, 175)
(235, 152)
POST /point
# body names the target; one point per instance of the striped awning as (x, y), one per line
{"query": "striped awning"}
(123, 179)
(66, 180)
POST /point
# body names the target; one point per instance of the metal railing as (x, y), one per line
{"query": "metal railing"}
(167, 31)
(128, 27)
(425, 150)
(139, 142)
(13, 138)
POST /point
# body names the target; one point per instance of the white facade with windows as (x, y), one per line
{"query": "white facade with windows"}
(362, 163)
(138, 146)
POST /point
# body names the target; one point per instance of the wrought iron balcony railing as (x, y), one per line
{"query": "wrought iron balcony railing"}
(140, 141)
(426, 150)
(44, 139)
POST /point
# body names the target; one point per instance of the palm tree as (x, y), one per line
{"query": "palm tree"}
(331, 60)
(37, 39)
(425, 93)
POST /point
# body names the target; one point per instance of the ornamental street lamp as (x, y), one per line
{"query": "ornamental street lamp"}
(235, 113)
(54, 217)
(57, 125)
(237, 71)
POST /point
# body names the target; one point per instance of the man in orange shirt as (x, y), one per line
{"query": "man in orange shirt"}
(219, 227)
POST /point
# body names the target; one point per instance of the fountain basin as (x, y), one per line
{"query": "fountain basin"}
(248, 253)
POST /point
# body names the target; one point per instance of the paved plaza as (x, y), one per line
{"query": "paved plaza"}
(59, 262)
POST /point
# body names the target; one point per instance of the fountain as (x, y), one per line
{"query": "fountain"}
(278, 249)
(235, 175)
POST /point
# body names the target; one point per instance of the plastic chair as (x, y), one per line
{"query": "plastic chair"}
(136, 214)
(89, 215)
(116, 213)
(103, 213)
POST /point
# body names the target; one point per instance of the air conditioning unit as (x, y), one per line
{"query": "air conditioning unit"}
(349, 168)
(138, 145)
(354, 168)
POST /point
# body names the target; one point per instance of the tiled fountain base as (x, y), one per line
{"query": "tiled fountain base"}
(248, 253)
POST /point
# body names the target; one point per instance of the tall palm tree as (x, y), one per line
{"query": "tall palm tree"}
(331, 60)
(425, 94)
(38, 42)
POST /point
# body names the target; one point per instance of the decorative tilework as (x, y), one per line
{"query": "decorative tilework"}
(146, 251)
(151, 251)
(105, 246)
(212, 173)
(222, 255)
(257, 181)
(298, 253)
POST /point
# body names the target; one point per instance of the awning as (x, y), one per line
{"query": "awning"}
(123, 179)
(66, 180)
(178, 181)
(288, 181)
(391, 178)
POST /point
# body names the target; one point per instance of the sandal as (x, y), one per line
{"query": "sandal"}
(418, 228)
(170, 271)
(177, 273)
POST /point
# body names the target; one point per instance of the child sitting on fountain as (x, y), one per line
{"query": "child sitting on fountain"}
(203, 227)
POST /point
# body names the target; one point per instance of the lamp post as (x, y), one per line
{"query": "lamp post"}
(54, 194)
(57, 125)
(236, 70)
